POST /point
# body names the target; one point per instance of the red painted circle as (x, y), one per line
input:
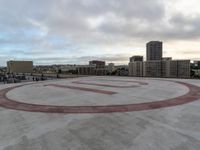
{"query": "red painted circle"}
(192, 95)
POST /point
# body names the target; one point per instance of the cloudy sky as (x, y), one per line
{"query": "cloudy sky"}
(76, 31)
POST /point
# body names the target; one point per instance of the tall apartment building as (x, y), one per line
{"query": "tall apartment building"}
(136, 66)
(19, 66)
(165, 70)
(154, 50)
(168, 69)
(136, 69)
(180, 68)
(152, 68)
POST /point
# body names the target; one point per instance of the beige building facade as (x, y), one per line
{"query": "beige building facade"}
(180, 68)
(19, 66)
(160, 68)
(86, 70)
(136, 69)
(91, 70)
(152, 68)
(168, 69)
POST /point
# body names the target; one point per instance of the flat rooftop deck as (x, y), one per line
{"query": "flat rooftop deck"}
(101, 113)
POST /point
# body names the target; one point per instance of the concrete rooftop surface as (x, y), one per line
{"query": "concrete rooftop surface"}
(101, 113)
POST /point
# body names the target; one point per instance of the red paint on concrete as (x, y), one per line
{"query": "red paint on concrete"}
(106, 85)
(129, 81)
(83, 89)
(192, 95)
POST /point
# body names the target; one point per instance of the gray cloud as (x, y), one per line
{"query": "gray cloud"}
(185, 27)
(69, 28)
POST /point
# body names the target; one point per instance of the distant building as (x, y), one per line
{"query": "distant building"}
(101, 71)
(122, 70)
(111, 67)
(154, 50)
(136, 69)
(136, 66)
(180, 68)
(86, 70)
(136, 58)
(169, 69)
(95, 67)
(152, 68)
(165, 68)
(19, 66)
(158, 66)
(91, 70)
(97, 63)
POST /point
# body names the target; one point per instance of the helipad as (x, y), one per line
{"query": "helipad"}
(96, 113)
